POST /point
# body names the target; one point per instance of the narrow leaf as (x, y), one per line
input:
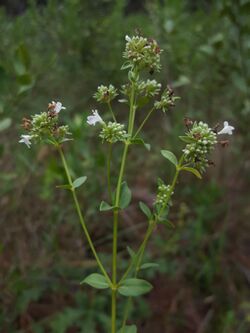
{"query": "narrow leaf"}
(193, 171)
(5, 124)
(128, 329)
(104, 206)
(96, 280)
(139, 141)
(79, 181)
(65, 187)
(187, 139)
(170, 156)
(134, 287)
(149, 265)
(145, 209)
(126, 196)
(167, 223)
(131, 252)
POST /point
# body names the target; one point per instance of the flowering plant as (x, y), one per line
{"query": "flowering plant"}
(141, 55)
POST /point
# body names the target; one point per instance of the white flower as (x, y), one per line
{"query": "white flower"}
(127, 38)
(26, 140)
(92, 120)
(227, 129)
(57, 106)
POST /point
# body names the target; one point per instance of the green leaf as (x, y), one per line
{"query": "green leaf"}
(79, 181)
(96, 280)
(167, 223)
(139, 141)
(145, 209)
(104, 206)
(26, 82)
(169, 156)
(131, 252)
(128, 329)
(65, 187)
(193, 171)
(22, 60)
(141, 101)
(187, 139)
(126, 196)
(4, 124)
(134, 287)
(149, 265)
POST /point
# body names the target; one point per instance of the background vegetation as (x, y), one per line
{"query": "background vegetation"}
(62, 50)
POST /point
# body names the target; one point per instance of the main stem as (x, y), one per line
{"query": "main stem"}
(132, 110)
(78, 209)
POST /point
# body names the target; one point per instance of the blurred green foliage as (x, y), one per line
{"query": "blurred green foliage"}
(63, 50)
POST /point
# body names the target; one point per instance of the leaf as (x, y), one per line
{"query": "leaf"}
(4, 124)
(134, 287)
(126, 196)
(141, 101)
(128, 329)
(96, 280)
(170, 156)
(104, 206)
(65, 187)
(139, 141)
(22, 60)
(187, 139)
(79, 181)
(26, 82)
(149, 265)
(167, 223)
(131, 252)
(145, 209)
(193, 171)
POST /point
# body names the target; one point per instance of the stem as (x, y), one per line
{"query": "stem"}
(78, 209)
(131, 110)
(108, 170)
(111, 110)
(143, 123)
(115, 232)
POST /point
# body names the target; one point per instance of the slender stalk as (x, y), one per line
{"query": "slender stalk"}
(143, 123)
(78, 209)
(111, 111)
(108, 170)
(115, 232)
(131, 110)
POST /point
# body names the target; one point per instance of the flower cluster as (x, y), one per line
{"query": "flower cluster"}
(149, 88)
(142, 53)
(45, 127)
(113, 132)
(105, 94)
(201, 141)
(167, 100)
(163, 194)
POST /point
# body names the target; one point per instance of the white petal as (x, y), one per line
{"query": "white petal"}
(225, 123)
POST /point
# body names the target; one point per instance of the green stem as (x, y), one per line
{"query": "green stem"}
(111, 111)
(108, 170)
(131, 110)
(77, 206)
(143, 123)
(115, 232)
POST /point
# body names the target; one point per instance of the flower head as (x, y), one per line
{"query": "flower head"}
(56, 106)
(105, 94)
(227, 129)
(26, 140)
(113, 132)
(92, 120)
